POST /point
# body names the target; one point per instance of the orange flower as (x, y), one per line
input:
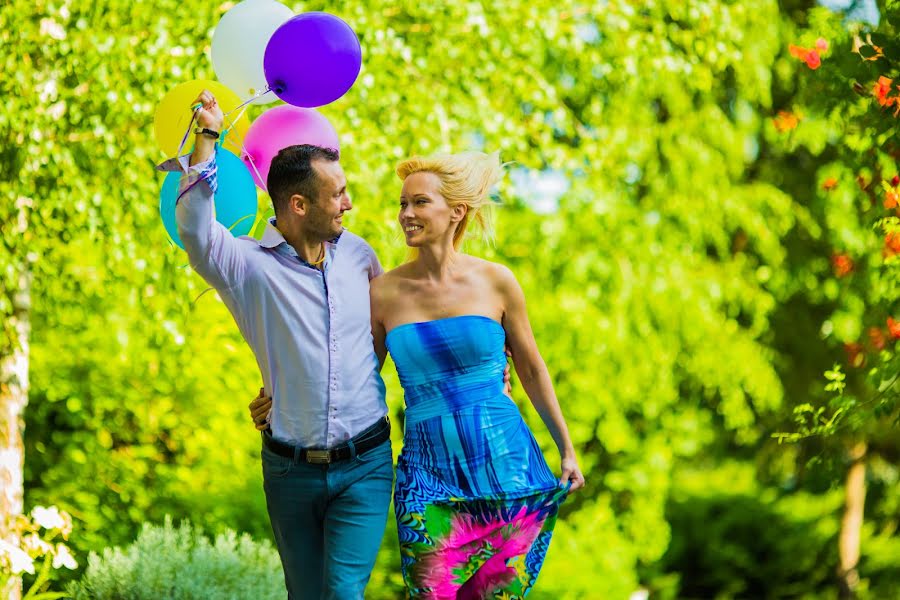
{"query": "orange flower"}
(785, 121)
(893, 328)
(856, 357)
(829, 184)
(882, 89)
(842, 264)
(876, 337)
(890, 199)
(891, 244)
(813, 61)
(810, 57)
(798, 52)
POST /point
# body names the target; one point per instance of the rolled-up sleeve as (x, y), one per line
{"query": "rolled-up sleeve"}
(213, 252)
(375, 268)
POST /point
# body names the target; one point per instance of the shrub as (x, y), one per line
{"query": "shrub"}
(181, 563)
(754, 545)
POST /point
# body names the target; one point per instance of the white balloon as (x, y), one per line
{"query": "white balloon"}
(239, 44)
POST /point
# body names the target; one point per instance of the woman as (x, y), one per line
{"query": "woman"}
(474, 499)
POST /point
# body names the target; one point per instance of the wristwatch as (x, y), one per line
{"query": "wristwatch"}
(204, 131)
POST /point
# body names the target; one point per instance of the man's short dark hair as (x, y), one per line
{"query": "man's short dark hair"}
(291, 172)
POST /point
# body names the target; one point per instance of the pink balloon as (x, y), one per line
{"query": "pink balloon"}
(280, 127)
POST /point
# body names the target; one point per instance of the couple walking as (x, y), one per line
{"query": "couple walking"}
(475, 501)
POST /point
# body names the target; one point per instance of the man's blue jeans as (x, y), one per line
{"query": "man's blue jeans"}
(328, 520)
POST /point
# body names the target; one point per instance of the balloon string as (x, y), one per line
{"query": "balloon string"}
(188, 132)
(194, 303)
(231, 122)
(242, 107)
(255, 170)
(259, 94)
(244, 218)
(240, 142)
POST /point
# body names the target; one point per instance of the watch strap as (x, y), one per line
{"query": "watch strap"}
(207, 132)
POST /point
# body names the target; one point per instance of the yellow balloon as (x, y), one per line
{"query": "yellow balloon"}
(173, 115)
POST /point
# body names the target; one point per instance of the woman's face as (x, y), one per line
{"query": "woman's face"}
(424, 214)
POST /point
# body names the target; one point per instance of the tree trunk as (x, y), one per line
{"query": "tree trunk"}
(851, 524)
(13, 398)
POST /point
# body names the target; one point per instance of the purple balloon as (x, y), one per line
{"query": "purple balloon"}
(312, 59)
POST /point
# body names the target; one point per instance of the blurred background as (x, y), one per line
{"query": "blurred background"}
(700, 206)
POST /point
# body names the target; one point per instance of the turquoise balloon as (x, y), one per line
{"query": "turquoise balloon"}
(235, 197)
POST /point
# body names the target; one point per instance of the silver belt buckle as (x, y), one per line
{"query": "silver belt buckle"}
(318, 457)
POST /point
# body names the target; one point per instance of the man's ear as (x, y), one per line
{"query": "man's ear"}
(298, 204)
(458, 212)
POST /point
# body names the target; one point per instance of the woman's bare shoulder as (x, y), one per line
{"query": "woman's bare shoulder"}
(497, 273)
(387, 282)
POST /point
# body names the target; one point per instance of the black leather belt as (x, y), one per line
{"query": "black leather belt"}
(371, 437)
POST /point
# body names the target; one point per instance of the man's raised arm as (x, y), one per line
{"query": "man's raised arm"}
(213, 251)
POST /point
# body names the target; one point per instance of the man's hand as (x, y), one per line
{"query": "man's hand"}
(209, 117)
(507, 386)
(261, 410)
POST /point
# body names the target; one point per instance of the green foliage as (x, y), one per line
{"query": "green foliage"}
(846, 137)
(678, 283)
(181, 563)
(846, 142)
(734, 539)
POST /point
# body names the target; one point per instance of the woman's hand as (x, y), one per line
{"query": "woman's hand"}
(261, 410)
(571, 473)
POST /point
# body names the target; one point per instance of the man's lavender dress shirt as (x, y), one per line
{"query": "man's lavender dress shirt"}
(310, 331)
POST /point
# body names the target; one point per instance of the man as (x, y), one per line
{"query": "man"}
(300, 297)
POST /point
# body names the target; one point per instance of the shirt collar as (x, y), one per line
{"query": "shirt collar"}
(272, 238)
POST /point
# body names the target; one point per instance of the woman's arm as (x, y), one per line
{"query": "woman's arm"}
(533, 372)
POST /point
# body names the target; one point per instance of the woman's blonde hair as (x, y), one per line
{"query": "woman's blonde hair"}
(466, 178)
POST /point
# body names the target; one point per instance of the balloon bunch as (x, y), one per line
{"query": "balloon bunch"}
(261, 52)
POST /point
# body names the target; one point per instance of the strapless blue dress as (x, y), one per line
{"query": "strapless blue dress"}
(474, 498)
